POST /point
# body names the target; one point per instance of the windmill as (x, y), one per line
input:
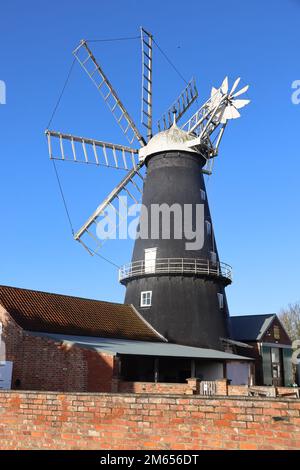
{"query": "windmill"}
(164, 279)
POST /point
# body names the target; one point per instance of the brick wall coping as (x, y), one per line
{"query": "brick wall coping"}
(150, 396)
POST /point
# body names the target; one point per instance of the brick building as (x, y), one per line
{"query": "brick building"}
(62, 343)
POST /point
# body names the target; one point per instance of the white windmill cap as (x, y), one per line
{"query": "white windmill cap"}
(168, 140)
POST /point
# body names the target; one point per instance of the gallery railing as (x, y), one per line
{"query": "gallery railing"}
(176, 266)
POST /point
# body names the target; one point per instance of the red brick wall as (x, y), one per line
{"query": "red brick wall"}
(44, 364)
(192, 387)
(43, 420)
(100, 370)
(160, 387)
(237, 390)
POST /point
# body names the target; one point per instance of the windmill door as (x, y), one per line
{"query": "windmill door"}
(5, 375)
(150, 260)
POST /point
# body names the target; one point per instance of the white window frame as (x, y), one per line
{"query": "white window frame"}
(146, 298)
(221, 300)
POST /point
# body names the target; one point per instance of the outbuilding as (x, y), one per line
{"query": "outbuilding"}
(63, 343)
(271, 347)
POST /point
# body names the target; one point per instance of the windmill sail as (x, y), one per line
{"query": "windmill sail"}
(146, 109)
(195, 124)
(76, 149)
(179, 107)
(86, 59)
(203, 134)
(214, 114)
(131, 186)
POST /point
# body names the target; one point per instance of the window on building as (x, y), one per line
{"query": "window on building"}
(288, 366)
(276, 366)
(146, 298)
(213, 257)
(208, 227)
(275, 355)
(267, 365)
(203, 194)
(276, 332)
(221, 300)
(150, 260)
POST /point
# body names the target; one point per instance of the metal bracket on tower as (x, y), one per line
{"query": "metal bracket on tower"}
(146, 108)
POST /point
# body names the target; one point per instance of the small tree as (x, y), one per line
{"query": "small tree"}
(290, 318)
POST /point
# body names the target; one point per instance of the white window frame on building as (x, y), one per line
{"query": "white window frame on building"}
(276, 365)
(150, 260)
(146, 298)
(220, 300)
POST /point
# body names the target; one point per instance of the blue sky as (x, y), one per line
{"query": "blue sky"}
(254, 191)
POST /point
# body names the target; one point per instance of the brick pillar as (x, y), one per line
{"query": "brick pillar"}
(193, 385)
(222, 387)
(114, 385)
(116, 375)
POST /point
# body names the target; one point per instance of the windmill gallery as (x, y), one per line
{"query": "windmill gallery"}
(174, 324)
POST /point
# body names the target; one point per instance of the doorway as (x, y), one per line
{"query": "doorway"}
(276, 367)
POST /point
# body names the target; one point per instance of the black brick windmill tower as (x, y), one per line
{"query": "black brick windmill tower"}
(175, 279)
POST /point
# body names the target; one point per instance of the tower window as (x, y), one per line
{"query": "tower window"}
(203, 194)
(213, 257)
(146, 297)
(221, 300)
(208, 227)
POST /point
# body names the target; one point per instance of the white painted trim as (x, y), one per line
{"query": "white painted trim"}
(148, 324)
(277, 345)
